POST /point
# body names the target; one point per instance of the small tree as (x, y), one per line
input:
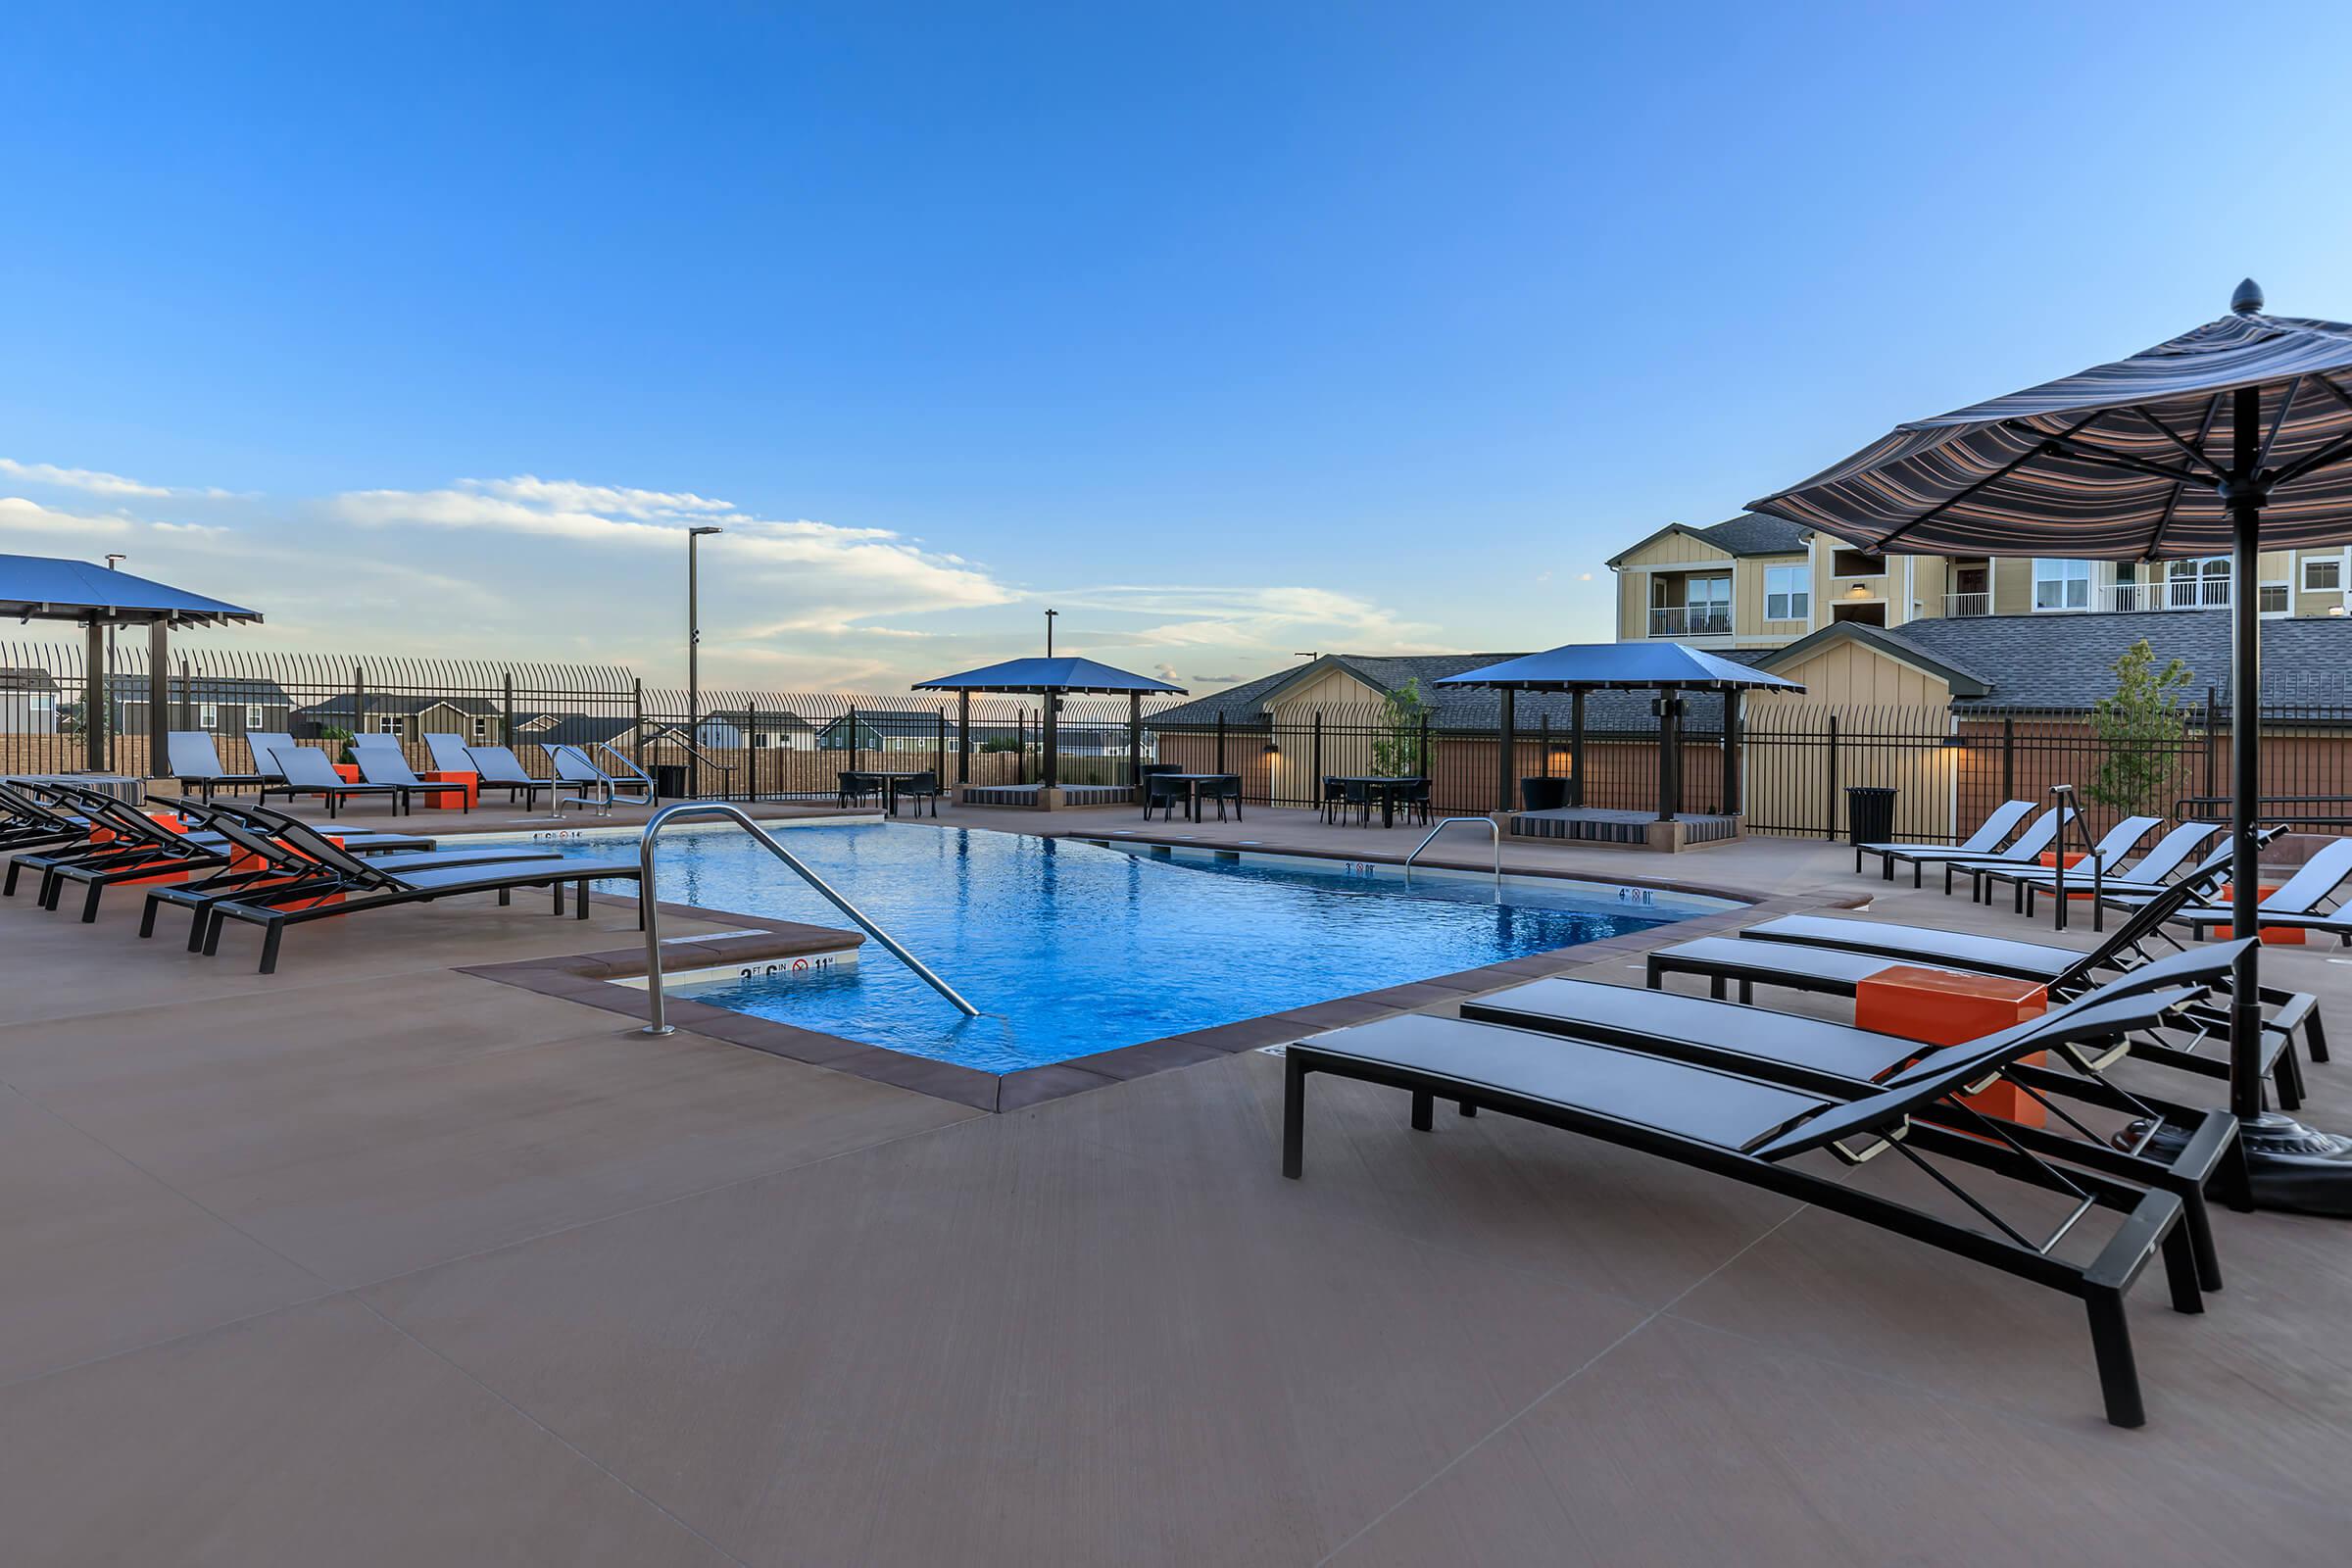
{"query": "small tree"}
(2139, 728)
(1394, 751)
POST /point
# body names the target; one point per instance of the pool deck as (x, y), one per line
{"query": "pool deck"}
(379, 1261)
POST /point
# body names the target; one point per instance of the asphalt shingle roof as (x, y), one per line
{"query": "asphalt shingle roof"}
(1752, 533)
(2067, 662)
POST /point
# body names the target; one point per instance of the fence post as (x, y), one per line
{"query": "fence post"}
(2008, 761)
(1543, 742)
(2210, 695)
(637, 716)
(187, 694)
(1576, 748)
(96, 697)
(359, 703)
(1831, 833)
(1135, 743)
(939, 747)
(1670, 754)
(750, 747)
(1421, 758)
(1220, 740)
(964, 739)
(505, 710)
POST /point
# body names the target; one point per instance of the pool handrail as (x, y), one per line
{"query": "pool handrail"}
(657, 1023)
(1488, 822)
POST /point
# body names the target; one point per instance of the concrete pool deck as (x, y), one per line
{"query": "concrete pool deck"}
(375, 1260)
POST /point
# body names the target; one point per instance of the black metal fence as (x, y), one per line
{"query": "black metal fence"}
(1789, 765)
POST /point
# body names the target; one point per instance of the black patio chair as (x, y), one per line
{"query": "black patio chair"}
(1414, 799)
(918, 788)
(1165, 791)
(1222, 789)
(857, 789)
(1747, 1130)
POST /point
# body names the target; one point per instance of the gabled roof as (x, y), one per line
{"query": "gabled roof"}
(25, 678)
(251, 690)
(1752, 533)
(1963, 681)
(1619, 666)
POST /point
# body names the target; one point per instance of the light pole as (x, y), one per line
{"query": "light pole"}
(694, 667)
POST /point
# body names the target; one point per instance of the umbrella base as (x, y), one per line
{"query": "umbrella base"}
(2289, 1167)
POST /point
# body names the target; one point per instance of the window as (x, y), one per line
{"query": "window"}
(1857, 563)
(2061, 584)
(208, 716)
(2322, 574)
(481, 727)
(253, 716)
(389, 724)
(1787, 593)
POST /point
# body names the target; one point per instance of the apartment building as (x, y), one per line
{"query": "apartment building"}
(1760, 583)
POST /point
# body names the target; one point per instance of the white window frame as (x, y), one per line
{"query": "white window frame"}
(481, 726)
(2068, 573)
(1795, 596)
(208, 716)
(389, 724)
(255, 718)
(2335, 562)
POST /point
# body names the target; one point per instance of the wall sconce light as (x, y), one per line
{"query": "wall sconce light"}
(1273, 749)
(1857, 591)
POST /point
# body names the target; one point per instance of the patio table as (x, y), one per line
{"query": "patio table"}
(1191, 783)
(1384, 787)
(890, 782)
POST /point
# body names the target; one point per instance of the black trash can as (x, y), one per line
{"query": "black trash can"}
(670, 780)
(1543, 794)
(1869, 814)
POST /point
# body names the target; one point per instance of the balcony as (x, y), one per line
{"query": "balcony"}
(1690, 620)
(1958, 605)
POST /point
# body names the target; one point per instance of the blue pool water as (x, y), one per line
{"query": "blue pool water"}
(1068, 948)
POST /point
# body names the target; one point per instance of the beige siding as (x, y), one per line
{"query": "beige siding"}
(1860, 686)
(1848, 676)
(1673, 550)
(1333, 688)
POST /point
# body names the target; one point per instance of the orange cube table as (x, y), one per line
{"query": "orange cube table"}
(2271, 936)
(348, 772)
(2074, 858)
(170, 824)
(441, 800)
(244, 860)
(1943, 1007)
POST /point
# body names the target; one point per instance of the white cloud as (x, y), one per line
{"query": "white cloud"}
(21, 516)
(95, 481)
(1269, 621)
(829, 576)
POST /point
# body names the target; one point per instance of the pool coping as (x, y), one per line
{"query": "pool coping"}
(587, 978)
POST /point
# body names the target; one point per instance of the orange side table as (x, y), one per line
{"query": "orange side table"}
(348, 772)
(169, 822)
(2271, 936)
(2074, 858)
(1944, 1008)
(440, 800)
(245, 860)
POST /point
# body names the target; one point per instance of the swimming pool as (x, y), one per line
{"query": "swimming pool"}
(1070, 948)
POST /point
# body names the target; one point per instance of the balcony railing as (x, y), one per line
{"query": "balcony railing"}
(1690, 620)
(1957, 604)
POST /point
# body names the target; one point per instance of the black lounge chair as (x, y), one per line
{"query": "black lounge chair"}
(380, 761)
(28, 822)
(1815, 1053)
(575, 766)
(277, 854)
(363, 885)
(1750, 1131)
(495, 767)
(1816, 952)
(2118, 841)
(2305, 901)
(2151, 873)
(195, 762)
(1983, 841)
(307, 771)
(2026, 849)
(136, 848)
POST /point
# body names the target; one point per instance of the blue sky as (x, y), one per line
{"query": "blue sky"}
(1232, 331)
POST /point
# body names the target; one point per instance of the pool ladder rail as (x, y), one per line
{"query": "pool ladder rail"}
(656, 1023)
(1486, 823)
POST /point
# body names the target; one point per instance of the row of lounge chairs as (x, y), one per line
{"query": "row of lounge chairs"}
(250, 864)
(285, 767)
(1743, 1092)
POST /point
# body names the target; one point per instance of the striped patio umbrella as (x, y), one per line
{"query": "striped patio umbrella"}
(2231, 438)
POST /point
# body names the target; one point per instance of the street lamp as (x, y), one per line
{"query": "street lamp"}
(694, 667)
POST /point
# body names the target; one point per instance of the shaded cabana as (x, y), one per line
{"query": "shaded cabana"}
(1050, 680)
(1668, 668)
(51, 588)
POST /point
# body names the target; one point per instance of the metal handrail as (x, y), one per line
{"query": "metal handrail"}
(656, 1023)
(1446, 823)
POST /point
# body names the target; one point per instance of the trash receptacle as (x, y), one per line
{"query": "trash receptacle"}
(1543, 794)
(1869, 814)
(670, 780)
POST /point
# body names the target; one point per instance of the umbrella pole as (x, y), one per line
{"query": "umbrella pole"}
(2288, 1165)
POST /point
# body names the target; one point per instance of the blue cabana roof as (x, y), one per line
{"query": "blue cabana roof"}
(1593, 666)
(1048, 675)
(50, 588)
